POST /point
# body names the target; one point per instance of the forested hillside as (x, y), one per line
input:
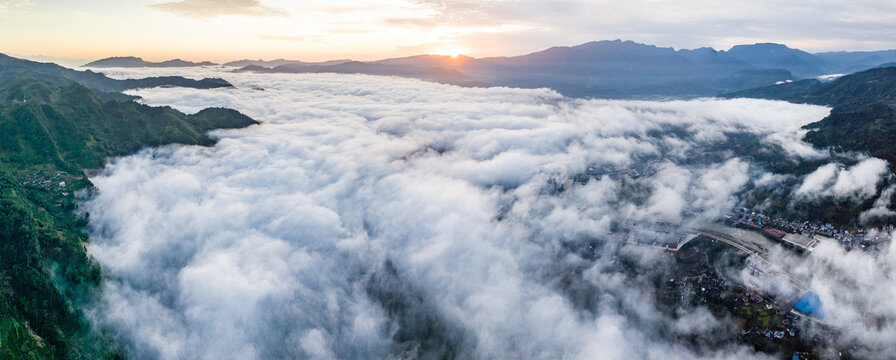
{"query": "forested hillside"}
(105, 87)
(49, 132)
(862, 116)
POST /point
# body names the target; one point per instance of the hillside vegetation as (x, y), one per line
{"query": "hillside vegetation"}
(104, 87)
(49, 133)
(862, 117)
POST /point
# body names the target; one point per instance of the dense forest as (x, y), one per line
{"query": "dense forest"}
(862, 117)
(102, 86)
(51, 129)
(862, 120)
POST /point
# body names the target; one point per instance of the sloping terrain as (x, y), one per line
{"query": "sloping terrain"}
(103, 86)
(862, 119)
(48, 133)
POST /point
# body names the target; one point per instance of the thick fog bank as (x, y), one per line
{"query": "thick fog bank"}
(372, 217)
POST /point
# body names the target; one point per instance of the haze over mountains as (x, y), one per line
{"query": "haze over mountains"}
(278, 62)
(606, 69)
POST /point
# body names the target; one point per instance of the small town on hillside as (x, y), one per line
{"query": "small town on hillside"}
(766, 317)
(806, 235)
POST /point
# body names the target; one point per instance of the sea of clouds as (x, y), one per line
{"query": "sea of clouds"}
(372, 217)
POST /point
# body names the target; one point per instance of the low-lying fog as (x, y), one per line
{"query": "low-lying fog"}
(373, 217)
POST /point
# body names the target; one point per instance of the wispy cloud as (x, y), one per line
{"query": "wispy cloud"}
(281, 37)
(210, 9)
(414, 22)
(6, 4)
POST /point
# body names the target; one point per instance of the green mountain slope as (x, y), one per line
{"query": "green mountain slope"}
(862, 116)
(70, 127)
(49, 132)
(871, 129)
(848, 93)
(103, 86)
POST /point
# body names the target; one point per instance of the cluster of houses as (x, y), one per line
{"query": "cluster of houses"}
(807, 235)
(55, 181)
(637, 170)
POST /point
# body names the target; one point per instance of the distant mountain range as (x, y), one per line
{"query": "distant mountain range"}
(104, 87)
(438, 74)
(607, 69)
(130, 62)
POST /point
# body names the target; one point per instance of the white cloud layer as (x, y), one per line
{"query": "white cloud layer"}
(856, 289)
(372, 217)
(832, 180)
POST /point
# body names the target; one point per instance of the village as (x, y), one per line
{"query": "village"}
(701, 277)
(805, 235)
(53, 189)
(766, 317)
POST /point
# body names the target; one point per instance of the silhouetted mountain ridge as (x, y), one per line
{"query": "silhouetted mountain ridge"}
(103, 86)
(131, 61)
(612, 69)
(608, 69)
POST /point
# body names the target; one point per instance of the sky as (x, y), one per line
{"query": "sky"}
(224, 30)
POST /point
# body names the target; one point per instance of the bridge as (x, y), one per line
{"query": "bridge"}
(754, 246)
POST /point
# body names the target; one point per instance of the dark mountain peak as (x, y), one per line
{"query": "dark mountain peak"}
(766, 49)
(132, 61)
(772, 55)
(431, 61)
(618, 46)
(245, 62)
(764, 46)
(618, 43)
(708, 56)
(769, 52)
(130, 58)
(702, 51)
(117, 61)
(252, 68)
(103, 86)
(594, 51)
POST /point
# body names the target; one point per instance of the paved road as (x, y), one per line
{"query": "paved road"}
(753, 244)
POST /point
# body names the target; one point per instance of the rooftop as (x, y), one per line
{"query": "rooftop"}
(800, 240)
(810, 305)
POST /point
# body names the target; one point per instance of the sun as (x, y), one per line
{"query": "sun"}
(452, 51)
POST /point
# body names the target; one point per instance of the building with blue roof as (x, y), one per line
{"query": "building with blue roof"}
(809, 306)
